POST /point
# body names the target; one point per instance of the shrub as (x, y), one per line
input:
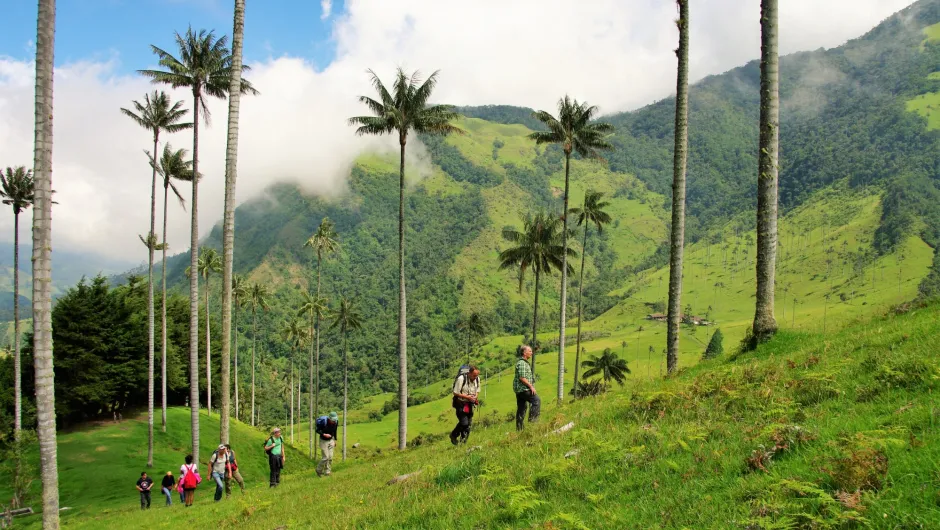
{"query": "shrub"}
(909, 372)
(594, 387)
(863, 468)
(393, 404)
(375, 415)
(715, 346)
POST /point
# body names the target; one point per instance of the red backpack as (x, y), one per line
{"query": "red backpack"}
(190, 478)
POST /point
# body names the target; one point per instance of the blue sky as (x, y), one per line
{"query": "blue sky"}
(122, 30)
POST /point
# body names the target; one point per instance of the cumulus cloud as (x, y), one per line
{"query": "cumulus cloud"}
(614, 53)
(326, 8)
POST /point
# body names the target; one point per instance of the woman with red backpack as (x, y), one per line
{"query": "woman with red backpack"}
(189, 478)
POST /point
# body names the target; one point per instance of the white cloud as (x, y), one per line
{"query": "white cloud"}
(614, 53)
(326, 7)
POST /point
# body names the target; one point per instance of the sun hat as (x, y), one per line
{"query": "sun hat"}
(334, 417)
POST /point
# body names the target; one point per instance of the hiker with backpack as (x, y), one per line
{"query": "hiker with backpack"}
(466, 390)
(189, 478)
(274, 447)
(326, 428)
(524, 387)
(233, 472)
(219, 470)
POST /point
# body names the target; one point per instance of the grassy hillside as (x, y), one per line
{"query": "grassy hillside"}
(824, 431)
(99, 464)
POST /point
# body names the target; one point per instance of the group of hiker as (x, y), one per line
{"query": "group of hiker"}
(467, 390)
(223, 467)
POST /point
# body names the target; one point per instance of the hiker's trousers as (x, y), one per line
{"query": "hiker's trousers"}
(527, 400)
(325, 466)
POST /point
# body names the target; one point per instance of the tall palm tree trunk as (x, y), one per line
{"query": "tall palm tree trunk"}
(315, 403)
(235, 339)
(402, 313)
(17, 369)
(208, 355)
(150, 315)
(292, 402)
(564, 285)
(194, 288)
(765, 325)
(42, 266)
(228, 216)
(577, 344)
(535, 323)
(680, 160)
(345, 388)
(163, 314)
(254, 333)
(468, 344)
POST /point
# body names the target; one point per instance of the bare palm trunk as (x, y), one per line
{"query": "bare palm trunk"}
(208, 355)
(680, 159)
(402, 313)
(163, 311)
(535, 324)
(42, 266)
(151, 237)
(254, 333)
(17, 369)
(577, 344)
(194, 287)
(235, 338)
(765, 325)
(564, 285)
(345, 388)
(228, 216)
(292, 402)
(315, 404)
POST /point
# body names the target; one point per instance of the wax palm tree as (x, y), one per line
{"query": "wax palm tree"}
(575, 132)
(405, 109)
(538, 247)
(314, 308)
(228, 216)
(765, 324)
(591, 213)
(258, 298)
(680, 160)
(42, 265)
(17, 191)
(324, 242)
(205, 67)
(209, 262)
(346, 319)
(473, 324)
(296, 336)
(608, 365)
(239, 298)
(171, 166)
(156, 114)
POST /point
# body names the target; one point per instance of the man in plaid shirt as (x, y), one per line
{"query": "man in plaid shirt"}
(524, 387)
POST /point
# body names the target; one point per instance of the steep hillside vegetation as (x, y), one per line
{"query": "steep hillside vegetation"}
(811, 431)
(858, 188)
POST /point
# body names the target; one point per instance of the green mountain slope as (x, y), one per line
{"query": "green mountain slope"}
(858, 171)
(812, 430)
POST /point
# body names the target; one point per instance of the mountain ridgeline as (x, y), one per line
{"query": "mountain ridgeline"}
(851, 116)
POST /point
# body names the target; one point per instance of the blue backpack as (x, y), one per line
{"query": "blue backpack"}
(321, 424)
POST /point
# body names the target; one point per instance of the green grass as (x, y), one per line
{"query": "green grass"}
(928, 106)
(848, 409)
(99, 463)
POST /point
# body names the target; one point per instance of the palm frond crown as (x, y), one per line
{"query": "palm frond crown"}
(574, 128)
